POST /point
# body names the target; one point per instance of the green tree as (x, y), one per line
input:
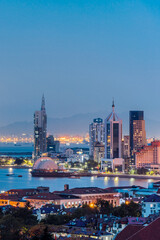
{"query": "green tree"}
(9, 228)
(57, 220)
(46, 235)
(126, 210)
(85, 210)
(104, 207)
(25, 216)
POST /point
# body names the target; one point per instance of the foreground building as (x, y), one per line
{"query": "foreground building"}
(151, 205)
(60, 200)
(40, 130)
(140, 232)
(90, 195)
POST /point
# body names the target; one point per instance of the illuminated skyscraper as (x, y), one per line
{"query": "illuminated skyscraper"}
(40, 130)
(137, 133)
(96, 134)
(113, 135)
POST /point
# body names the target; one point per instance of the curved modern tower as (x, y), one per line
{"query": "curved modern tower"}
(113, 135)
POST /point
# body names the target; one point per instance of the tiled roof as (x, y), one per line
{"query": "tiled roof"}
(152, 198)
(158, 190)
(45, 210)
(84, 190)
(51, 196)
(150, 232)
(24, 189)
(124, 187)
(9, 197)
(128, 231)
(22, 192)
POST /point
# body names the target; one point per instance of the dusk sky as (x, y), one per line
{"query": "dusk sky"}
(80, 54)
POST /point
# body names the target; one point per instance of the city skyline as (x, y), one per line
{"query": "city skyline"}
(76, 53)
(76, 124)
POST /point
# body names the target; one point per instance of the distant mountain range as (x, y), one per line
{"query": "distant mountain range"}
(75, 125)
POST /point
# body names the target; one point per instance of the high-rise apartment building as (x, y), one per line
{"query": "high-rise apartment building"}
(96, 134)
(126, 146)
(148, 156)
(40, 130)
(137, 133)
(113, 135)
(52, 145)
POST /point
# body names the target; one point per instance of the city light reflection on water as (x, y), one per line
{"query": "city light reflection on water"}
(27, 181)
(10, 170)
(132, 179)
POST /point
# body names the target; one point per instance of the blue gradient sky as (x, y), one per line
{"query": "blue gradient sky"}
(80, 53)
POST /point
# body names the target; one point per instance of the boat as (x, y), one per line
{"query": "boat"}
(61, 174)
(41, 173)
(10, 174)
(75, 177)
(17, 145)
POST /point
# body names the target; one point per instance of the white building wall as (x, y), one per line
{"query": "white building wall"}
(149, 208)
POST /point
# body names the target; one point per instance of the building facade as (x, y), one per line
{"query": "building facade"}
(137, 133)
(148, 156)
(98, 151)
(96, 134)
(52, 145)
(40, 130)
(113, 135)
(151, 205)
(126, 147)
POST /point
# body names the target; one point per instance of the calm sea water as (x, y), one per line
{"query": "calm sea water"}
(27, 181)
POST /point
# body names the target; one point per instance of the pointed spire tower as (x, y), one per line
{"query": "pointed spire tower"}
(40, 130)
(43, 104)
(113, 135)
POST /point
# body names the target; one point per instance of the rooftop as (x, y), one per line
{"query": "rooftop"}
(84, 190)
(128, 231)
(152, 198)
(150, 232)
(51, 196)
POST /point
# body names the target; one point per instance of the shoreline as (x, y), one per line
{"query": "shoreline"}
(98, 175)
(15, 167)
(130, 176)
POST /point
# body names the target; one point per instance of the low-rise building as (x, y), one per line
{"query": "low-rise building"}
(91, 194)
(27, 191)
(13, 201)
(151, 205)
(60, 200)
(138, 232)
(42, 212)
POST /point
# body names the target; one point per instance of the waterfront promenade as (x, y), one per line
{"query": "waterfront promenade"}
(136, 176)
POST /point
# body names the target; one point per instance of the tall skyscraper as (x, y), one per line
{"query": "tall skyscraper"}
(137, 133)
(40, 130)
(113, 135)
(96, 134)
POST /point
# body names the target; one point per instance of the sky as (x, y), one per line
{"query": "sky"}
(80, 54)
